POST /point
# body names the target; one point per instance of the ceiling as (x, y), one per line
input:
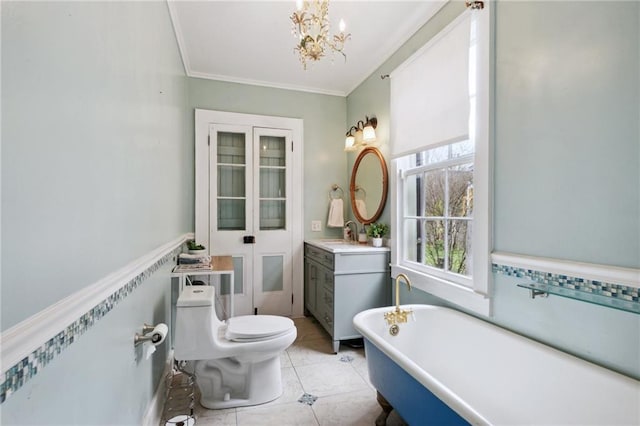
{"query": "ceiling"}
(251, 41)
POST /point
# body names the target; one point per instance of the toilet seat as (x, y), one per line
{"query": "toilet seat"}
(255, 328)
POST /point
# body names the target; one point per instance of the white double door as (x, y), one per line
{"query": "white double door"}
(250, 187)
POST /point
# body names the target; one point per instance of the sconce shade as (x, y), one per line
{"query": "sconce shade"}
(350, 143)
(368, 134)
(358, 136)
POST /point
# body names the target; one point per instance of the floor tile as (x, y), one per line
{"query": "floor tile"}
(285, 361)
(363, 371)
(311, 351)
(289, 414)
(353, 408)
(329, 378)
(206, 417)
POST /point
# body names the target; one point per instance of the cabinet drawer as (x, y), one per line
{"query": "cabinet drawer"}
(357, 263)
(323, 257)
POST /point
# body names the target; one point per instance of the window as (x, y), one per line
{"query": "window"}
(438, 210)
(441, 164)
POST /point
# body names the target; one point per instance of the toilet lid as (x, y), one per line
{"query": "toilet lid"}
(256, 327)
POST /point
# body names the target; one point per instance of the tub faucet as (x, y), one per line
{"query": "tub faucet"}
(399, 315)
(353, 235)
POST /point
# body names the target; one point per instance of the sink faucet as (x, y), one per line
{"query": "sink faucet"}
(353, 235)
(398, 315)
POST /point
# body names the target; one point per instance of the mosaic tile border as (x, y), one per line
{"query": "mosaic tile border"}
(601, 288)
(17, 375)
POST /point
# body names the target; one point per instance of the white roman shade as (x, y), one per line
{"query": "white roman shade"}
(430, 92)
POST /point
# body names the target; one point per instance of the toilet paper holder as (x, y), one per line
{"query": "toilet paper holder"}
(153, 333)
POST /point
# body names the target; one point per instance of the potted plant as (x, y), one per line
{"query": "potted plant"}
(196, 248)
(376, 231)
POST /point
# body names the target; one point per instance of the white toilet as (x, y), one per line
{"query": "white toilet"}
(237, 362)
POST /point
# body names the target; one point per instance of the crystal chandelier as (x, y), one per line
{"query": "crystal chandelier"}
(311, 28)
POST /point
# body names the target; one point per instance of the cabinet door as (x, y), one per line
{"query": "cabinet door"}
(324, 298)
(310, 285)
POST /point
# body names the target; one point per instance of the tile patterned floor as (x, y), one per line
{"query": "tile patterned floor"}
(320, 387)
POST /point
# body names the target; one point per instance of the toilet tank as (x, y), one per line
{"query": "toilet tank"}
(196, 323)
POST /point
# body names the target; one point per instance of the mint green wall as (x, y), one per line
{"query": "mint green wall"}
(324, 127)
(97, 159)
(567, 138)
(567, 159)
(97, 170)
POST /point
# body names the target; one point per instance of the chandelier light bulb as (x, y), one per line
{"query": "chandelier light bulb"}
(310, 22)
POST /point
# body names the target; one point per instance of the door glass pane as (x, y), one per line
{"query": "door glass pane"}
(272, 278)
(237, 278)
(231, 215)
(272, 151)
(231, 189)
(231, 181)
(272, 182)
(231, 148)
(272, 214)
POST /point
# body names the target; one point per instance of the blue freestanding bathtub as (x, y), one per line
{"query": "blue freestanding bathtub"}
(446, 367)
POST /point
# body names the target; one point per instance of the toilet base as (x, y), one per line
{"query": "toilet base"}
(228, 383)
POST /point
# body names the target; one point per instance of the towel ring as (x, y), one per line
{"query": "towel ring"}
(364, 193)
(334, 189)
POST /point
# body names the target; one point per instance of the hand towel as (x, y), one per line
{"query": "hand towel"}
(362, 208)
(336, 213)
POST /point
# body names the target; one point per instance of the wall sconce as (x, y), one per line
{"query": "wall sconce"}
(350, 141)
(365, 134)
(369, 132)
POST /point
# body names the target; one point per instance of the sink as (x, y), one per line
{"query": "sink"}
(339, 245)
(336, 242)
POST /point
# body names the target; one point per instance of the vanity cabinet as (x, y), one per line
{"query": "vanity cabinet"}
(342, 280)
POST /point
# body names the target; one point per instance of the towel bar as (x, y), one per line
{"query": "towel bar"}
(334, 189)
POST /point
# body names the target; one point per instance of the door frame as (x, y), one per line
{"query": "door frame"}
(205, 117)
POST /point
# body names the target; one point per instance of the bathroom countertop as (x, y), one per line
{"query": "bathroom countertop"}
(342, 246)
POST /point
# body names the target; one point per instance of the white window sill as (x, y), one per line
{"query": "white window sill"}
(462, 296)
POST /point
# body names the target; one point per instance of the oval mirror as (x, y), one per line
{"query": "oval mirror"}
(368, 186)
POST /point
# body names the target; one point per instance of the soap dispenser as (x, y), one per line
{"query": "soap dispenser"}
(362, 236)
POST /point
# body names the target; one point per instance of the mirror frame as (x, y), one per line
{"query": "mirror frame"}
(385, 184)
